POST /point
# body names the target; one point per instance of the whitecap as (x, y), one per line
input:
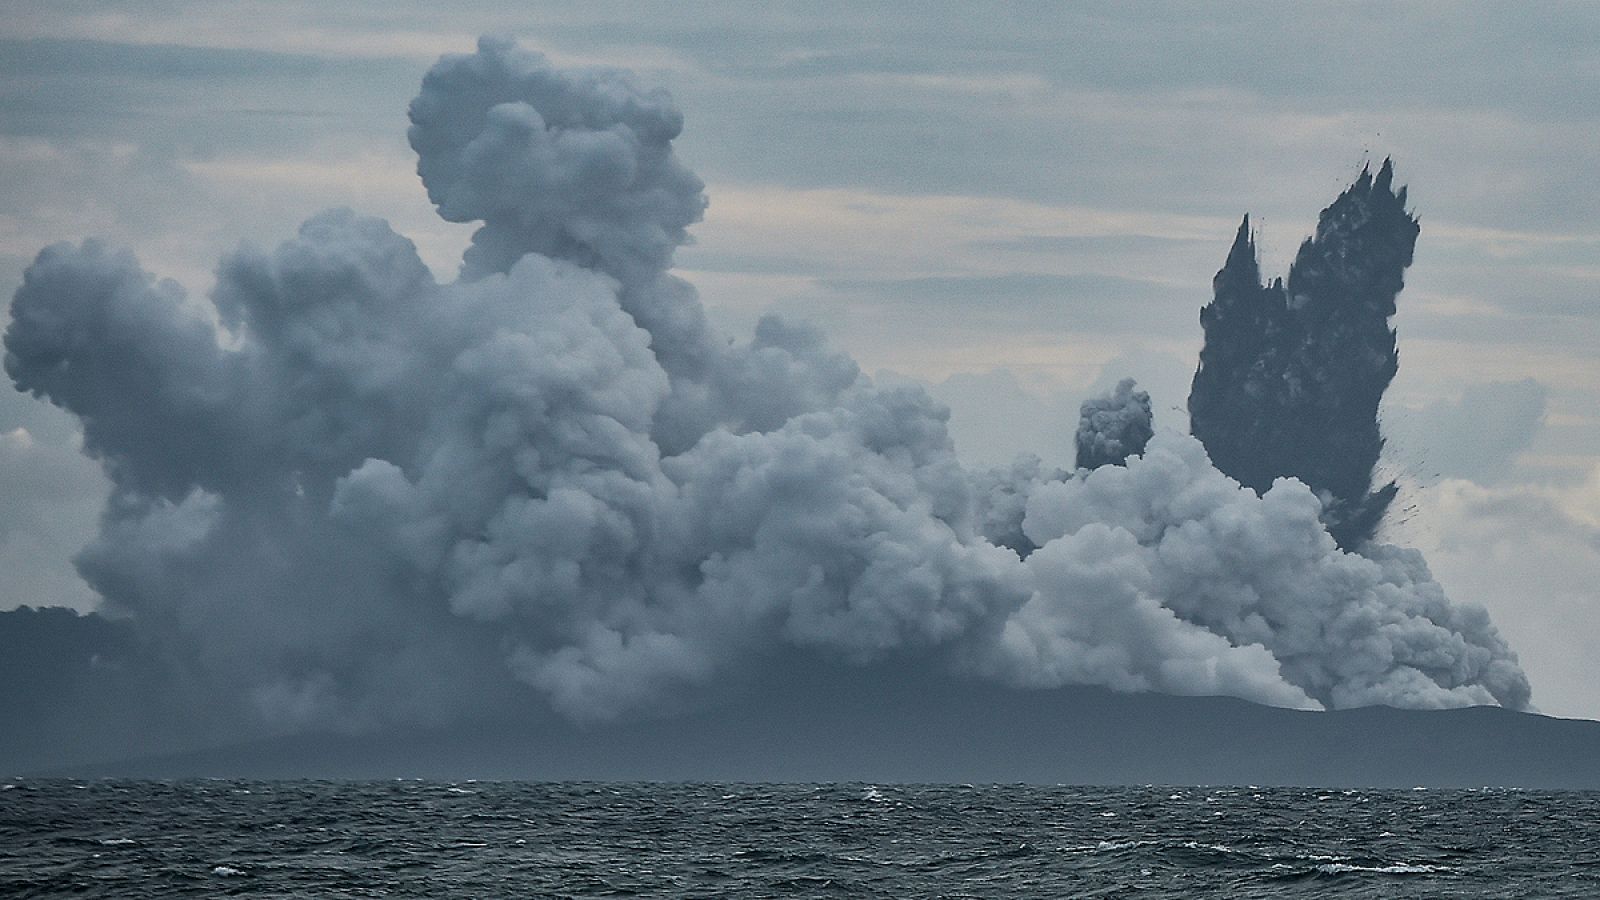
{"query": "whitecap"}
(1392, 869)
(117, 842)
(1113, 846)
(226, 871)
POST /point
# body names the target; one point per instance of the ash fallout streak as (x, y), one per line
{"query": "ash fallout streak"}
(347, 495)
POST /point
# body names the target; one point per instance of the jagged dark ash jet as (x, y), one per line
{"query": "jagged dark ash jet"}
(1291, 373)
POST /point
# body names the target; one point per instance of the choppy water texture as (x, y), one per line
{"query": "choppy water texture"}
(417, 839)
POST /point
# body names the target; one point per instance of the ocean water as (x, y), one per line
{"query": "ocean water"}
(430, 839)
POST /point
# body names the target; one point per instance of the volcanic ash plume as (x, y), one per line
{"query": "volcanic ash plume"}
(349, 495)
(1114, 427)
(1291, 375)
(355, 494)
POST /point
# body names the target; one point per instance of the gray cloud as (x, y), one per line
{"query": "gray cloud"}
(993, 417)
(1083, 303)
(1542, 545)
(167, 95)
(1476, 437)
(347, 494)
(53, 497)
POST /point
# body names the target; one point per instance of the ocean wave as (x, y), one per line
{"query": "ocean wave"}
(1342, 868)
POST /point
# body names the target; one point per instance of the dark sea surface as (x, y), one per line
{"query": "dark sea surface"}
(429, 839)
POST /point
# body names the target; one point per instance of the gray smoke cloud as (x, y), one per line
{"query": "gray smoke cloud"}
(346, 495)
(1114, 427)
(1292, 373)
(1477, 437)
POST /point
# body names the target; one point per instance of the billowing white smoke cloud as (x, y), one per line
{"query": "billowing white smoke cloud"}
(355, 495)
(1249, 589)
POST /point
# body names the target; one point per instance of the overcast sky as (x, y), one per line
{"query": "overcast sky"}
(1016, 205)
